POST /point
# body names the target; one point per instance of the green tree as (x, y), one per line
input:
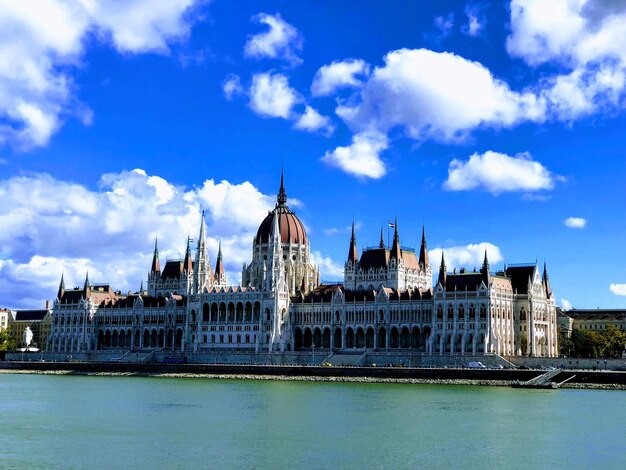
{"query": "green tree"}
(5, 342)
(611, 342)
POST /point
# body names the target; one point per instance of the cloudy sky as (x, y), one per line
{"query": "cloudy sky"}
(500, 126)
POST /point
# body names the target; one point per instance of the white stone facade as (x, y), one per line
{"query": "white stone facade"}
(387, 302)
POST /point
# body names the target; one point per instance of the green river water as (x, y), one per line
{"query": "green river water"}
(136, 422)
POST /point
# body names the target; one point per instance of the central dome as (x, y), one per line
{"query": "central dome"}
(291, 229)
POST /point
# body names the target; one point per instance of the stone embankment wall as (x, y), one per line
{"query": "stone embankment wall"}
(477, 376)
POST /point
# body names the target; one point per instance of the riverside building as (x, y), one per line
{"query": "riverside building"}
(387, 302)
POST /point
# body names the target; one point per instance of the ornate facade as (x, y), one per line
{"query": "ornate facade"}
(386, 302)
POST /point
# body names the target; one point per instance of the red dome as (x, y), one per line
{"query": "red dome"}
(291, 229)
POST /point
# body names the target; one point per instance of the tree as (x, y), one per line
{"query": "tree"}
(611, 341)
(5, 342)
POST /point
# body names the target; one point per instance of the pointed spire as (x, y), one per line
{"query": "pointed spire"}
(382, 240)
(87, 287)
(353, 253)
(282, 195)
(485, 269)
(396, 251)
(156, 265)
(423, 260)
(188, 264)
(141, 288)
(219, 265)
(442, 272)
(61, 291)
(546, 280)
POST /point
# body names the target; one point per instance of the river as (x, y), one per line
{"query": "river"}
(141, 422)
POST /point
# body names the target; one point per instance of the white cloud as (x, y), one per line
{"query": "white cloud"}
(232, 86)
(566, 304)
(281, 41)
(338, 74)
(53, 226)
(41, 47)
(438, 96)
(497, 172)
(313, 121)
(618, 289)
(585, 37)
(468, 256)
(362, 157)
(575, 222)
(475, 21)
(271, 95)
(329, 270)
(444, 24)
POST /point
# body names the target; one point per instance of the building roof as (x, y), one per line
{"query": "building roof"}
(595, 314)
(519, 277)
(173, 269)
(324, 293)
(291, 229)
(30, 315)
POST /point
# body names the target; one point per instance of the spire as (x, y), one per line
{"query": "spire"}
(423, 261)
(156, 266)
(61, 288)
(141, 288)
(353, 254)
(546, 280)
(396, 251)
(188, 265)
(485, 269)
(202, 269)
(382, 240)
(87, 287)
(282, 195)
(219, 265)
(442, 272)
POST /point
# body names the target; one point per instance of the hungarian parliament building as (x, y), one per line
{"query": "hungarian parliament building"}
(387, 302)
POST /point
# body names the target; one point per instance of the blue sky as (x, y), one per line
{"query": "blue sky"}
(498, 125)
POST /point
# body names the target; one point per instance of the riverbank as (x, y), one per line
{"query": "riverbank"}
(605, 380)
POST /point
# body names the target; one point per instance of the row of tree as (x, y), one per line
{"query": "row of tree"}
(609, 343)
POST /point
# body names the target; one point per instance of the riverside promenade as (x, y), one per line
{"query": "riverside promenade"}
(461, 376)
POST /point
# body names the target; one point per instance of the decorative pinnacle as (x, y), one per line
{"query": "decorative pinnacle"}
(282, 195)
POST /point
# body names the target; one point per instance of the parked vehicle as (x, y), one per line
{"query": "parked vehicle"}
(476, 365)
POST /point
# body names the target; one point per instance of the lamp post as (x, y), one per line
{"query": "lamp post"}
(313, 345)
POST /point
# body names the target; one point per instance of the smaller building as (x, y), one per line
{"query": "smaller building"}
(38, 321)
(4, 318)
(592, 319)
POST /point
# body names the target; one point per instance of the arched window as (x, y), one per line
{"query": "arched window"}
(450, 312)
(205, 312)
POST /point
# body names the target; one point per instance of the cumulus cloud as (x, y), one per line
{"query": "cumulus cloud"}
(566, 304)
(281, 41)
(313, 121)
(53, 226)
(497, 173)
(587, 38)
(41, 47)
(362, 157)
(618, 289)
(575, 222)
(339, 74)
(468, 256)
(329, 270)
(232, 86)
(434, 95)
(271, 95)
